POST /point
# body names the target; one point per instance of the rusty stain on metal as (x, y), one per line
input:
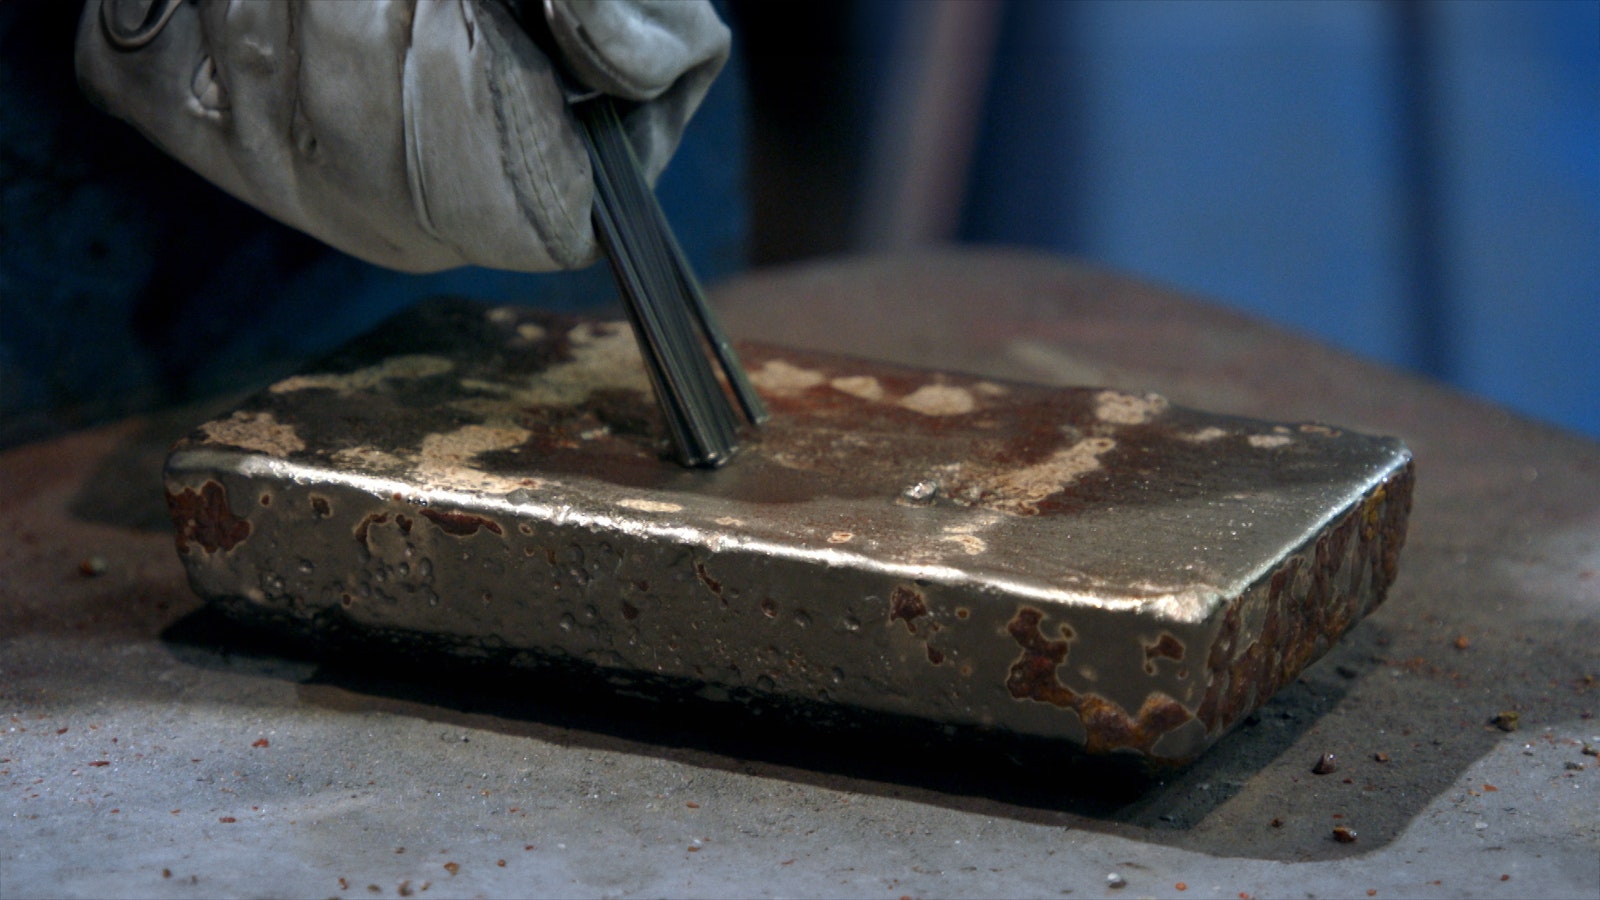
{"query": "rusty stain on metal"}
(1090, 565)
(203, 517)
(1035, 676)
(1166, 646)
(906, 604)
(459, 524)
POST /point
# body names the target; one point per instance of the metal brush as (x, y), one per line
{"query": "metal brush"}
(675, 326)
(677, 331)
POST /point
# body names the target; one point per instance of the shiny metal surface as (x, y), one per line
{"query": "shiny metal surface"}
(1083, 564)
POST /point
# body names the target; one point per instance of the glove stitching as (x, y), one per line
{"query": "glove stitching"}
(416, 173)
(518, 167)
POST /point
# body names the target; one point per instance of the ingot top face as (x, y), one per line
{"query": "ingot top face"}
(1087, 564)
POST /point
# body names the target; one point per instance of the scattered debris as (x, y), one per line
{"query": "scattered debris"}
(1327, 765)
(261, 742)
(1344, 835)
(1380, 756)
(1590, 749)
(1506, 720)
(1116, 882)
(1462, 642)
(452, 867)
(93, 567)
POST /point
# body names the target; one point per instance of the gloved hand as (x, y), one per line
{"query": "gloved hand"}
(416, 134)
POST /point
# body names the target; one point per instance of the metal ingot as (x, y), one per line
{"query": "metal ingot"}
(1088, 565)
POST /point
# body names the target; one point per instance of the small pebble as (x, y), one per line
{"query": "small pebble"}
(1344, 835)
(1380, 756)
(1327, 765)
(1507, 720)
(1115, 881)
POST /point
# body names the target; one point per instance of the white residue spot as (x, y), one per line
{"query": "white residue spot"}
(864, 386)
(1127, 409)
(971, 544)
(779, 377)
(1020, 490)
(939, 400)
(1268, 441)
(447, 458)
(651, 506)
(367, 459)
(255, 431)
(409, 366)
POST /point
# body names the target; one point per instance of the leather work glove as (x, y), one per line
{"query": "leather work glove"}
(416, 134)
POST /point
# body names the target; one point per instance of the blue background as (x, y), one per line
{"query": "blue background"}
(1415, 182)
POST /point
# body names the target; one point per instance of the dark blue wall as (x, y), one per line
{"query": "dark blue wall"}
(1416, 182)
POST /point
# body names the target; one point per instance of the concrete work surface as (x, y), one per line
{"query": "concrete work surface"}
(1443, 748)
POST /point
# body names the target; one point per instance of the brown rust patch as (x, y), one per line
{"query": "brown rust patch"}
(1311, 599)
(906, 604)
(935, 655)
(366, 524)
(204, 518)
(404, 521)
(711, 584)
(460, 524)
(1033, 675)
(629, 611)
(320, 506)
(1167, 647)
(1108, 727)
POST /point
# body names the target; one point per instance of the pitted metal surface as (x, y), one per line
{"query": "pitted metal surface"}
(1085, 564)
